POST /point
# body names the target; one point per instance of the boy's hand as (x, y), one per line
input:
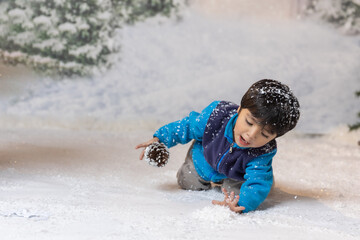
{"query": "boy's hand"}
(230, 201)
(144, 145)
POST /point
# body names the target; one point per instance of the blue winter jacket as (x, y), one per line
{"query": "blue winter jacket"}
(215, 154)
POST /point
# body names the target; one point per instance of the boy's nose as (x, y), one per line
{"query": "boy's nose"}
(253, 132)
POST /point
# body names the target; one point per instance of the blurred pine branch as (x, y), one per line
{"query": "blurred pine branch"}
(70, 37)
(342, 13)
(356, 125)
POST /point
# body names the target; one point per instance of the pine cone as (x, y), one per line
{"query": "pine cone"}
(157, 154)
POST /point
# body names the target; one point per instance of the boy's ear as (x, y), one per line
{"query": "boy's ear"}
(238, 110)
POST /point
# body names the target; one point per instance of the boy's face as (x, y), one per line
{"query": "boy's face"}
(249, 133)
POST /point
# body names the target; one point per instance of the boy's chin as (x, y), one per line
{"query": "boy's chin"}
(242, 145)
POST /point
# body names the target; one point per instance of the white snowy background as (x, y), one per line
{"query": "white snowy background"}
(69, 170)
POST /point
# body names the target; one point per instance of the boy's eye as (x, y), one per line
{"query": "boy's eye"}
(266, 136)
(249, 123)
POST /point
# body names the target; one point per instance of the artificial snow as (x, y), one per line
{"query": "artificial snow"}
(42, 20)
(67, 27)
(69, 169)
(62, 184)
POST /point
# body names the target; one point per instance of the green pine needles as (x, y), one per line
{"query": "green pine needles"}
(70, 37)
(342, 13)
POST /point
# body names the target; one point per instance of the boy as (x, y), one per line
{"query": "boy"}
(234, 145)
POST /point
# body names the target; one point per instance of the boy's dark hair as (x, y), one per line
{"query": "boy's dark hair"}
(273, 104)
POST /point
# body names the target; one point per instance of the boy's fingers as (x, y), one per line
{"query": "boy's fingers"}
(234, 205)
(225, 193)
(236, 200)
(237, 209)
(145, 144)
(140, 145)
(215, 202)
(240, 208)
(232, 195)
(142, 155)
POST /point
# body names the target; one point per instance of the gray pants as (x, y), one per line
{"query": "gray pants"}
(189, 179)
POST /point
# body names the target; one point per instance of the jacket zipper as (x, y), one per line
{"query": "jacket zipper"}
(231, 147)
(228, 151)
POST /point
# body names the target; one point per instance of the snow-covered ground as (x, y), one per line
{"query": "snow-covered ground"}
(68, 168)
(58, 184)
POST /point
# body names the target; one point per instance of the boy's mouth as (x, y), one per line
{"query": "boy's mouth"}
(243, 141)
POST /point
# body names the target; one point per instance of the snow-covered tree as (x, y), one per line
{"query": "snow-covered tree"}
(356, 125)
(131, 11)
(343, 13)
(69, 36)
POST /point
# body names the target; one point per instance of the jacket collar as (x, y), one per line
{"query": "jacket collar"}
(229, 133)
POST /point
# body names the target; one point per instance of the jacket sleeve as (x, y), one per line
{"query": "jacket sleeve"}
(259, 179)
(186, 129)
